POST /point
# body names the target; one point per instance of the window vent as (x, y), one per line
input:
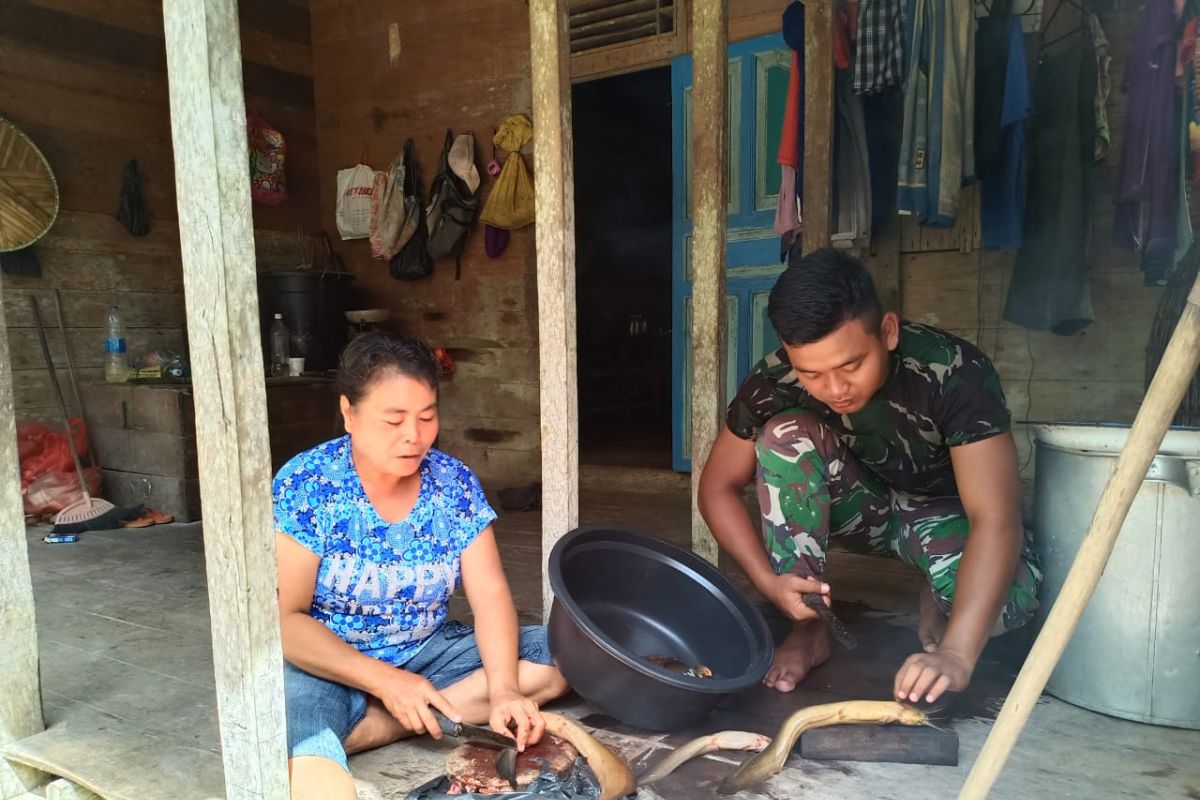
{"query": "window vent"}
(602, 23)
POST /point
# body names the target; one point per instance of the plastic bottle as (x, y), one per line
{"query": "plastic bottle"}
(279, 347)
(116, 362)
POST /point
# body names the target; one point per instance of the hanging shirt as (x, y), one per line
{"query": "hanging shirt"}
(937, 148)
(1147, 196)
(1002, 187)
(1050, 288)
(879, 60)
(793, 135)
(382, 587)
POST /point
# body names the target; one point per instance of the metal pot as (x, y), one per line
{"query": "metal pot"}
(620, 596)
(1135, 653)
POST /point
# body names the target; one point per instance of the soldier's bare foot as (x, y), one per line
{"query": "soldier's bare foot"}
(806, 647)
(932, 626)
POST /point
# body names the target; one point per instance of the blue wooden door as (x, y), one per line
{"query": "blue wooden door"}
(758, 77)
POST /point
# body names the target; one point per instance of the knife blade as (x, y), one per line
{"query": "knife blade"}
(506, 758)
(474, 733)
(506, 766)
(817, 603)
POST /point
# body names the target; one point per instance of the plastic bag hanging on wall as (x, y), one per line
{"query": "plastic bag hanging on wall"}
(268, 153)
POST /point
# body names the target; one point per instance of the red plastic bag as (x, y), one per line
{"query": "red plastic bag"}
(53, 491)
(42, 449)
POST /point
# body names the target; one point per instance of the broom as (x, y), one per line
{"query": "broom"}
(88, 512)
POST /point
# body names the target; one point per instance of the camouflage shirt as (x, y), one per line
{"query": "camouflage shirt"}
(942, 391)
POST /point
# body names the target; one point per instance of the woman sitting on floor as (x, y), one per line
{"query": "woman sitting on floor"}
(375, 530)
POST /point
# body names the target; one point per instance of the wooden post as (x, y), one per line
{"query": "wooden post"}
(208, 131)
(20, 698)
(1166, 391)
(554, 186)
(710, 199)
(818, 123)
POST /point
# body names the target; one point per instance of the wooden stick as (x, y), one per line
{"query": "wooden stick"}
(62, 329)
(1166, 391)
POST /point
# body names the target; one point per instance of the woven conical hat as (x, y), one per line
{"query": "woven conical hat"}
(28, 191)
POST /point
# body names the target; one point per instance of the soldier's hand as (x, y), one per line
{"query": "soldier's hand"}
(787, 592)
(925, 676)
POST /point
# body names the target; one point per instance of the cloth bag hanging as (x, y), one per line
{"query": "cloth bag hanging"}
(510, 204)
(394, 213)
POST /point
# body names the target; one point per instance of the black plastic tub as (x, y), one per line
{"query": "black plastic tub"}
(313, 304)
(620, 596)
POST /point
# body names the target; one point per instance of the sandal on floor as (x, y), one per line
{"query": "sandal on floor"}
(151, 517)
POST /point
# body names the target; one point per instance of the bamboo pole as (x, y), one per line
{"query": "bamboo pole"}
(554, 189)
(1166, 391)
(710, 153)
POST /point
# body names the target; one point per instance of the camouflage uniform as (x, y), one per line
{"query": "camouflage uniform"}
(880, 478)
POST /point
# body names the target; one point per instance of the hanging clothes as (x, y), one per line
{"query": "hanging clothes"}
(1103, 87)
(852, 173)
(937, 148)
(1001, 108)
(1189, 67)
(851, 162)
(879, 59)
(1147, 194)
(882, 114)
(1049, 289)
(788, 212)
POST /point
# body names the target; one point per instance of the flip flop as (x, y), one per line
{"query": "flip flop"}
(151, 517)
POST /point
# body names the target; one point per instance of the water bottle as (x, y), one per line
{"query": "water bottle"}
(116, 362)
(279, 347)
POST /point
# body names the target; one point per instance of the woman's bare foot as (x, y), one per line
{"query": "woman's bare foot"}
(932, 626)
(806, 647)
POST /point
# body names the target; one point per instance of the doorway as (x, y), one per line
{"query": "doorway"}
(622, 132)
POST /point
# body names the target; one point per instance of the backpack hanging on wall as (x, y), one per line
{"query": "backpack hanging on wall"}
(453, 201)
(413, 262)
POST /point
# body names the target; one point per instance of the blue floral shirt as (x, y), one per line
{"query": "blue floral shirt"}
(382, 587)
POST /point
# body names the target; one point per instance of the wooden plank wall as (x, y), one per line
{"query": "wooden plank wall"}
(462, 64)
(86, 80)
(1096, 375)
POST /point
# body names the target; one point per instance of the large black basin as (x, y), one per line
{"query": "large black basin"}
(620, 596)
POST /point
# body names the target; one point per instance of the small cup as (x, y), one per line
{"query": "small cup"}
(295, 367)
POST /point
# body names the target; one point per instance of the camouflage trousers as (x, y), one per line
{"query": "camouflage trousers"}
(812, 487)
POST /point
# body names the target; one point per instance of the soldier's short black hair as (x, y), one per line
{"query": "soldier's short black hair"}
(820, 291)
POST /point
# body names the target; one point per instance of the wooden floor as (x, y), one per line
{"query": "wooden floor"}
(130, 706)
